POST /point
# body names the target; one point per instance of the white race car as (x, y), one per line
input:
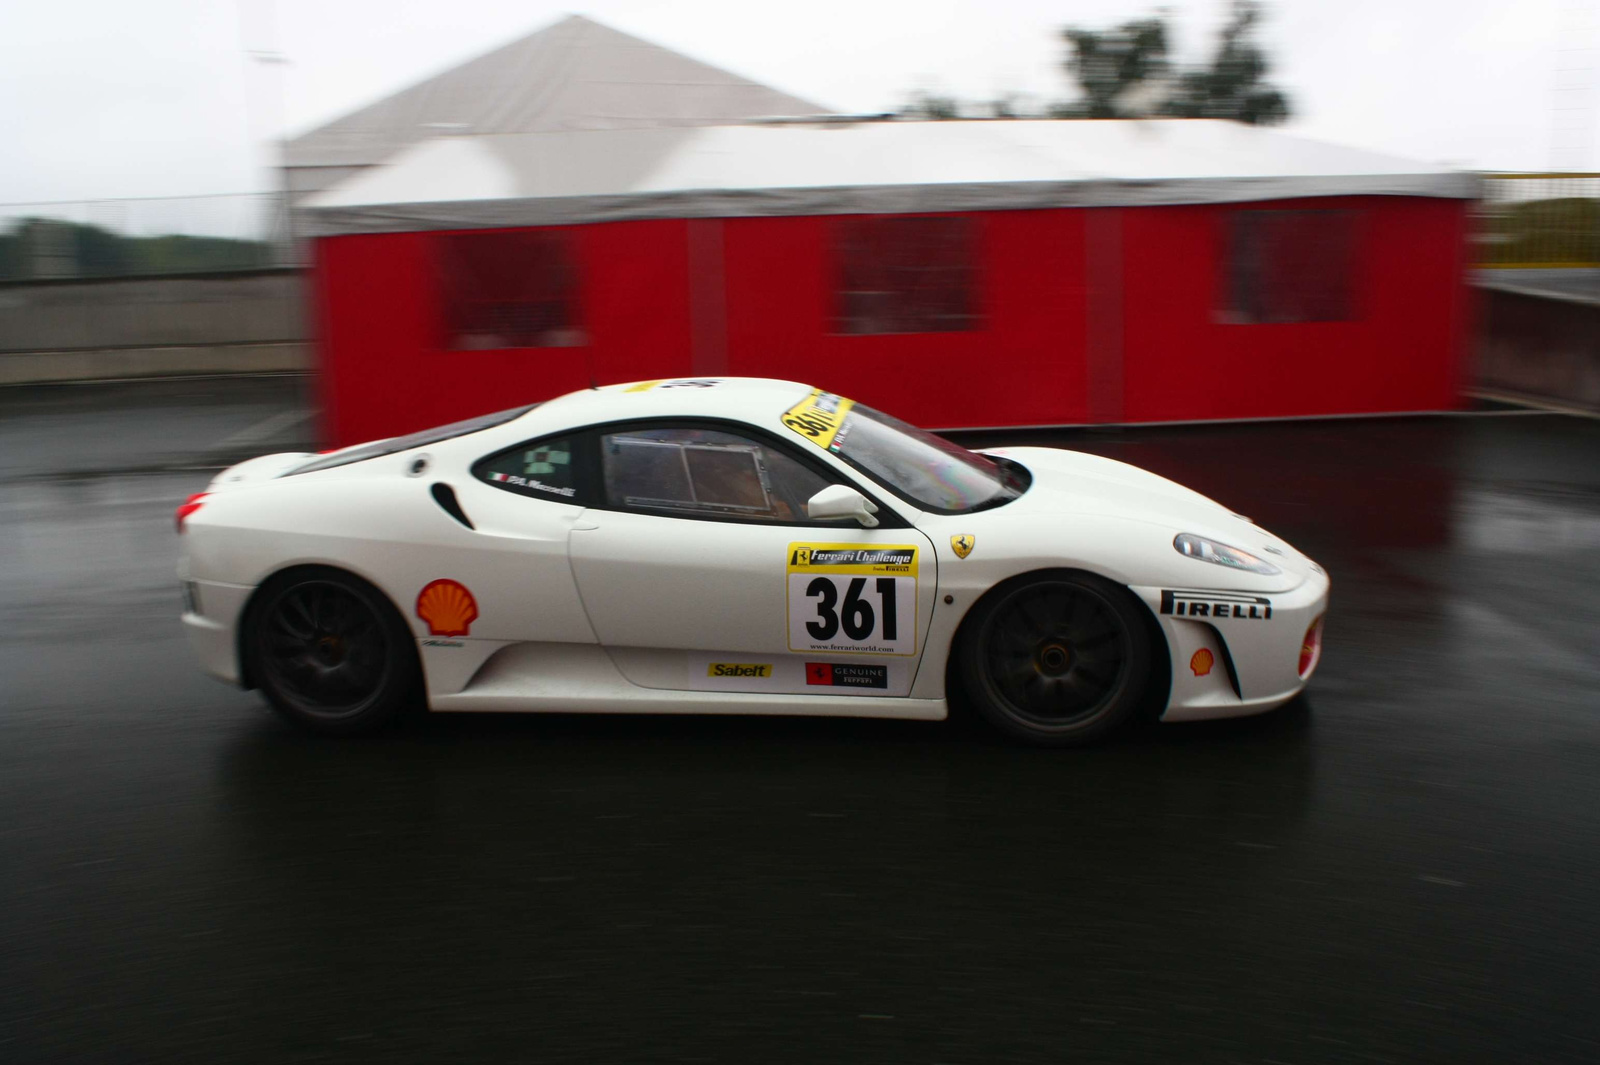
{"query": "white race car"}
(737, 546)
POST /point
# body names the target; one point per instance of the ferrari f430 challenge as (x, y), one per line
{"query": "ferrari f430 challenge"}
(737, 546)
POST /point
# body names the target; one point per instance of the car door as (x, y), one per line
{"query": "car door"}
(701, 570)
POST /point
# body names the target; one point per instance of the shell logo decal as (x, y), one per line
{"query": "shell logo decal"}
(1201, 662)
(962, 544)
(447, 607)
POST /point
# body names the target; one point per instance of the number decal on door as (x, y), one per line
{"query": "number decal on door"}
(853, 598)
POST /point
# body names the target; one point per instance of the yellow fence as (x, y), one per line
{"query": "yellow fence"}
(1539, 220)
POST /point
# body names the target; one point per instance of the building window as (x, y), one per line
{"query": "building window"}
(1291, 266)
(508, 289)
(905, 274)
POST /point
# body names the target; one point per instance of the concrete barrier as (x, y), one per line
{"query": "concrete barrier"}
(88, 329)
(1539, 344)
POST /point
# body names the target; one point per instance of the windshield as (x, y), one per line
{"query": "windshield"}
(395, 444)
(920, 467)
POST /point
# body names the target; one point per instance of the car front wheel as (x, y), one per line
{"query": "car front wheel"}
(330, 653)
(1056, 658)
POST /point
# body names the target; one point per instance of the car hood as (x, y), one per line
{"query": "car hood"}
(1071, 483)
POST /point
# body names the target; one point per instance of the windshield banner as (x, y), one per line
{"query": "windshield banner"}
(818, 417)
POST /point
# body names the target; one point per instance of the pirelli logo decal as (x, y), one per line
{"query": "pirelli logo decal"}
(1214, 605)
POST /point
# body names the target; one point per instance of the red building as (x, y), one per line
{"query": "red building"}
(957, 274)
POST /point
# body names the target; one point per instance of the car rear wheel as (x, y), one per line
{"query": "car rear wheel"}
(330, 653)
(1057, 658)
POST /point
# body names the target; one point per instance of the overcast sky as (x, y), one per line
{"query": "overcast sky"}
(122, 98)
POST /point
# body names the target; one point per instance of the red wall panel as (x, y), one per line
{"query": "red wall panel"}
(763, 306)
(1024, 367)
(1401, 353)
(384, 368)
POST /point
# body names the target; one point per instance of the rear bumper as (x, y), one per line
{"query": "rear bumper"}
(211, 624)
(1238, 661)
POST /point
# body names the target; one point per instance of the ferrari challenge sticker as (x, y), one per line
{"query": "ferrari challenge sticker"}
(853, 598)
(448, 608)
(818, 417)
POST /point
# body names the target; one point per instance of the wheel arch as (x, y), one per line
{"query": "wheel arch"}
(1159, 690)
(247, 614)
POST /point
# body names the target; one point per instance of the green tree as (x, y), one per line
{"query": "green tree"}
(1113, 66)
(1108, 63)
(1233, 86)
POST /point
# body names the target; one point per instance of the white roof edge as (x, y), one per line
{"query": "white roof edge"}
(872, 199)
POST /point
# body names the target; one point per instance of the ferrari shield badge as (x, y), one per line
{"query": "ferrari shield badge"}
(962, 545)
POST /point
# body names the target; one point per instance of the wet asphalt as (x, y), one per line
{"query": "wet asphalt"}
(1400, 866)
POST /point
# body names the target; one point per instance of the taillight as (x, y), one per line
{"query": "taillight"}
(188, 507)
(1311, 648)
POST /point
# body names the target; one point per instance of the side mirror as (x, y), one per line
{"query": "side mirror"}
(842, 501)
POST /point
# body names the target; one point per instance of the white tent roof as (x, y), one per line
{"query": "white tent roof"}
(573, 75)
(844, 167)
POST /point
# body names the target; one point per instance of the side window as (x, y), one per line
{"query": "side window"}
(707, 473)
(542, 469)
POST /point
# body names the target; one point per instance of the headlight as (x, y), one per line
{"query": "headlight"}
(1210, 551)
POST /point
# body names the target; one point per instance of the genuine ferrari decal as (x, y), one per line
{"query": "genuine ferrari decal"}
(739, 669)
(448, 608)
(1201, 662)
(1215, 605)
(818, 417)
(962, 544)
(835, 674)
(853, 598)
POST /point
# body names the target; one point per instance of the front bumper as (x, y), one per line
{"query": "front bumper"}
(1235, 654)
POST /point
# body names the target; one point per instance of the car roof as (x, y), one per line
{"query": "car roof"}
(756, 400)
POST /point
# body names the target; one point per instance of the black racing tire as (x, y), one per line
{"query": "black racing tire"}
(330, 652)
(1057, 658)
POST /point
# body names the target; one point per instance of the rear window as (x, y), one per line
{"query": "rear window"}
(396, 444)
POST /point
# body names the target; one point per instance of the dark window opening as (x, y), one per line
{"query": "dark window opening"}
(508, 289)
(1291, 266)
(905, 274)
(543, 470)
(707, 473)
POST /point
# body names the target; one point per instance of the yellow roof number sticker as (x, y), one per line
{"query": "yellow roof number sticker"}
(818, 417)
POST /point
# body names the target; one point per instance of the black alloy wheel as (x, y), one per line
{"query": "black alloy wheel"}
(331, 653)
(1056, 659)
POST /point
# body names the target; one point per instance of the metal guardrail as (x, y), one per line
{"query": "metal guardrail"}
(143, 236)
(1539, 221)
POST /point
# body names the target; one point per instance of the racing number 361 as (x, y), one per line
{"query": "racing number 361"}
(855, 615)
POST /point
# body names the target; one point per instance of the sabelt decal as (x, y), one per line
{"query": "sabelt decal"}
(1201, 662)
(856, 598)
(818, 417)
(448, 608)
(1216, 605)
(739, 669)
(962, 544)
(843, 675)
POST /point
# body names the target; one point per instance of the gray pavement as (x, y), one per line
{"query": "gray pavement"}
(1398, 867)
